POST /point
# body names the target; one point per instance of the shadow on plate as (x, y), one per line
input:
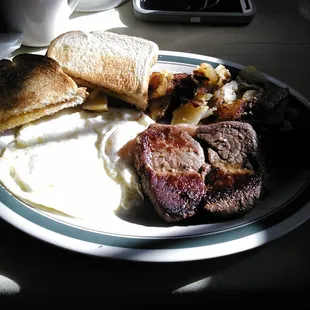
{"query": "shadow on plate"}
(286, 157)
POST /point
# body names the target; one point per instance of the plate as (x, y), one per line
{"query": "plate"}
(140, 236)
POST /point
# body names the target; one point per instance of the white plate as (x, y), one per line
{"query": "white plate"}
(143, 237)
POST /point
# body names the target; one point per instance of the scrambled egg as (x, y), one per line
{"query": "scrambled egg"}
(76, 163)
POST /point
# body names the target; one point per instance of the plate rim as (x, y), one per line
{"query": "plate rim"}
(161, 253)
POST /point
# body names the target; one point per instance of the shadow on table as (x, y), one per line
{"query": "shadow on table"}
(47, 269)
(44, 270)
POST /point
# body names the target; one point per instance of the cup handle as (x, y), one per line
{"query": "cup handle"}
(72, 4)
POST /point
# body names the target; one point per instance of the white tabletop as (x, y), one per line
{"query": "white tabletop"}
(277, 42)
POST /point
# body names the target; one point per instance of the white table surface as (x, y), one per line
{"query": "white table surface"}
(277, 42)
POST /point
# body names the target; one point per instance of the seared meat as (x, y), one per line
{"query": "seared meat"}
(171, 165)
(236, 178)
(184, 85)
(176, 84)
(181, 181)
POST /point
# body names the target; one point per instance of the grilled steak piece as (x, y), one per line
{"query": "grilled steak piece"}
(171, 165)
(235, 180)
(211, 168)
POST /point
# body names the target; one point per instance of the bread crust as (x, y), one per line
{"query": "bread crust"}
(32, 86)
(119, 64)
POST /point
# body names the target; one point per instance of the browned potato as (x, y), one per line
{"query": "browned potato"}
(190, 113)
(206, 70)
(97, 101)
(158, 107)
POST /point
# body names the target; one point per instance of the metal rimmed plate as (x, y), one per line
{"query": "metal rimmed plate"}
(140, 236)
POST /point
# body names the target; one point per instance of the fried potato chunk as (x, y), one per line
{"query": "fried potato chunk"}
(97, 101)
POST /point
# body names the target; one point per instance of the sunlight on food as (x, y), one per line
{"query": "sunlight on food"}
(5, 139)
(73, 162)
(8, 286)
(194, 286)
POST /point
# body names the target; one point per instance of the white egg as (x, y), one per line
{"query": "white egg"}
(76, 163)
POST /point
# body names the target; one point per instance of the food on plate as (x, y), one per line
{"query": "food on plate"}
(172, 167)
(187, 170)
(120, 65)
(97, 101)
(33, 86)
(76, 162)
(236, 178)
(192, 98)
(190, 143)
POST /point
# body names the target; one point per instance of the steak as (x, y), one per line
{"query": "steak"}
(235, 180)
(212, 168)
(171, 166)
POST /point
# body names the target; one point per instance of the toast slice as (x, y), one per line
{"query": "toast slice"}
(33, 86)
(118, 64)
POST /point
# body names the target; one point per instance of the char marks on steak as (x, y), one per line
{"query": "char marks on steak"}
(171, 165)
(211, 168)
(235, 181)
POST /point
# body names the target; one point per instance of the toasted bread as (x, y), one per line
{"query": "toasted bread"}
(32, 86)
(119, 64)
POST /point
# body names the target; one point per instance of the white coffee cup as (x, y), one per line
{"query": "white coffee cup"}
(40, 21)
